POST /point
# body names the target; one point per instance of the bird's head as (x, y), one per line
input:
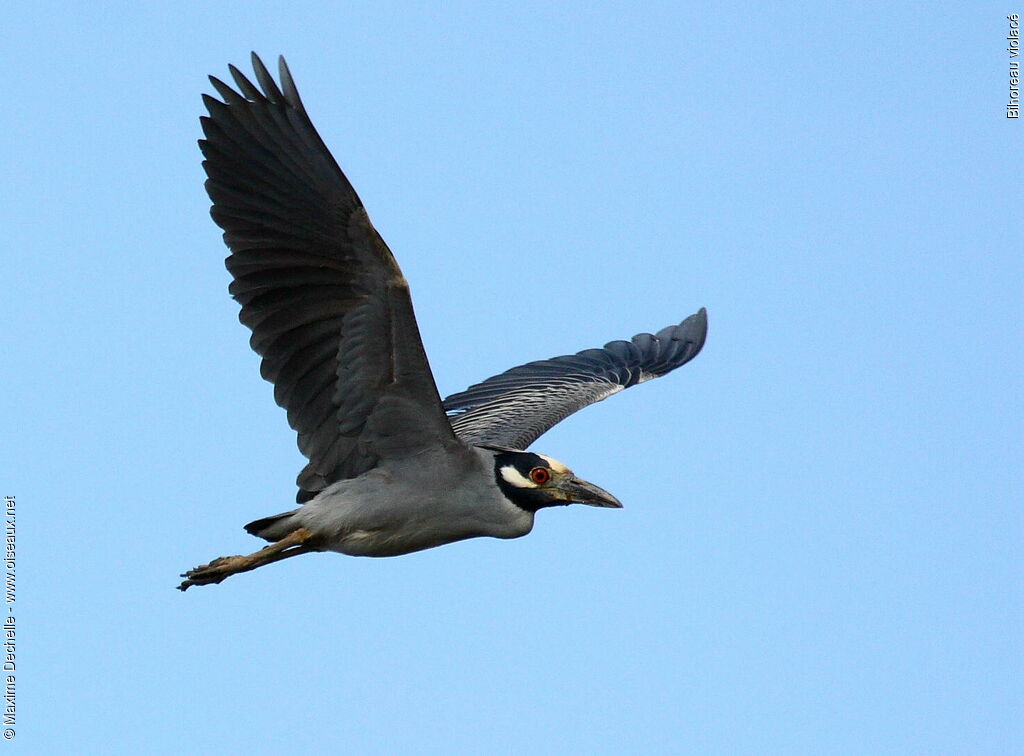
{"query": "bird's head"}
(533, 481)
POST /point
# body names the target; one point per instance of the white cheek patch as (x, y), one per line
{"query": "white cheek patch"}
(554, 464)
(513, 477)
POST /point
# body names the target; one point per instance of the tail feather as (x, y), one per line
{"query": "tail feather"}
(273, 528)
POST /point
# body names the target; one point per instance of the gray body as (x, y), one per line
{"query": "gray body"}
(397, 507)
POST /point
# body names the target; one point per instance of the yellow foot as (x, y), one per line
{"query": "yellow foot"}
(214, 572)
(296, 542)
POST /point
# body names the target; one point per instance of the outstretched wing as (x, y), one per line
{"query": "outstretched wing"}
(515, 408)
(329, 309)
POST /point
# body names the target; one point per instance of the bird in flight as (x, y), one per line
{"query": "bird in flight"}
(392, 468)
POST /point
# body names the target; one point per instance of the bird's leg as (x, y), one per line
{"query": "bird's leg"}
(295, 543)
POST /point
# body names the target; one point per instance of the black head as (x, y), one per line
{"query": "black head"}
(533, 481)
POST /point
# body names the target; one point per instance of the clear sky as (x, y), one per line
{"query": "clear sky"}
(820, 550)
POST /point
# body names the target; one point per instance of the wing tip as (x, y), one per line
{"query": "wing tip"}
(672, 346)
(699, 320)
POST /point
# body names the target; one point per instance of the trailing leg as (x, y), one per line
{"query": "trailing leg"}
(295, 543)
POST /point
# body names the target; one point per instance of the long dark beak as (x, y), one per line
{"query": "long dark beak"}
(581, 492)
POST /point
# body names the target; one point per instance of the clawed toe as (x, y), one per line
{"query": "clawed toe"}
(209, 574)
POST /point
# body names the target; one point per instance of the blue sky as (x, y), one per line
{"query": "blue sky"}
(820, 545)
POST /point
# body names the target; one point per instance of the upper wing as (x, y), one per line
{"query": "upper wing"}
(329, 309)
(514, 408)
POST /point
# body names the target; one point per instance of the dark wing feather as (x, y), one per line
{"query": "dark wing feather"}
(515, 408)
(329, 309)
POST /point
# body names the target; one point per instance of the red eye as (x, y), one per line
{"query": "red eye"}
(540, 475)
